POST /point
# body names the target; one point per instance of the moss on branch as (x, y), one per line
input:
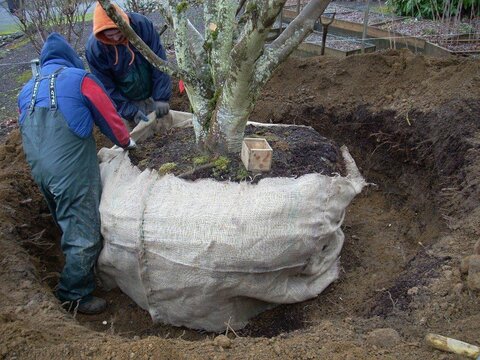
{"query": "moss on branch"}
(182, 6)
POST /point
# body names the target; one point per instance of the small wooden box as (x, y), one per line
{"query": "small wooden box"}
(256, 154)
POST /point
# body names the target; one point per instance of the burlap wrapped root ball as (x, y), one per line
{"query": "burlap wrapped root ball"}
(206, 253)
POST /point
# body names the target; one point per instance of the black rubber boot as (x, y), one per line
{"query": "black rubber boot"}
(92, 306)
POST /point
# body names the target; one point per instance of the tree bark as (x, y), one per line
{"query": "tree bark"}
(225, 70)
(289, 39)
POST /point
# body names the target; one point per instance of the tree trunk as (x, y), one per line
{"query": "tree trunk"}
(225, 67)
(226, 130)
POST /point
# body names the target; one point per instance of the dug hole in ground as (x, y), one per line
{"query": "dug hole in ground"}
(411, 124)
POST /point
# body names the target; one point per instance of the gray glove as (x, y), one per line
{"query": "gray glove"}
(140, 116)
(161, 108)
(131, 145)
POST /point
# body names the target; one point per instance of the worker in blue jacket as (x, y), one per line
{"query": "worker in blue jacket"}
(58, 109)
(136, 87)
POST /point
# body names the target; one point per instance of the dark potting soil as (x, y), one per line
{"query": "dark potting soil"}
(296, 151)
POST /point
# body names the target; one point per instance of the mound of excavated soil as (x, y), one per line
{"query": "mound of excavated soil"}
(411, 124)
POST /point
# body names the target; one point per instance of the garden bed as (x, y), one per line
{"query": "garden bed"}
(334, 45)
(357, 16)
(345, 13)
(437, 38)
(461, 36)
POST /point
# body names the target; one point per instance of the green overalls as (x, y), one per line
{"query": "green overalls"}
(65, 167)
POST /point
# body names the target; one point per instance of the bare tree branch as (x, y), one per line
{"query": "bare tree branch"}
(154, 59)
(270, 11)
(79, 34)
(260, 16)
(289, 40)
(225, 69)
(195, 39)
(219, 29)
(184, 52)
(240, 6)
(238, 92)
(209, 10)
(190, 55)
(38, 18)
(164, 10)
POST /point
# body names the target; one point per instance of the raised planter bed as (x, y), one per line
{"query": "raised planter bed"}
(348, 15)
(335, 45)
(385, 31)
(465, 44)
(448, 38)
(343, 24)
(452, 47)
(357, 16)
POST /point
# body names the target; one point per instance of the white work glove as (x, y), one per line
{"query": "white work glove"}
(161, 108)
(131, 145)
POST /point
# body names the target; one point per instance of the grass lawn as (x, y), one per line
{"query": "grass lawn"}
(7, 29)
(10, 28)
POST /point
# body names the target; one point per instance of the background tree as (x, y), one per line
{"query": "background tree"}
(38, 18)
(225, 65)
(143, 7)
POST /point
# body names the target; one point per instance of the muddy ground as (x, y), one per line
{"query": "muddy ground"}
(411, 123)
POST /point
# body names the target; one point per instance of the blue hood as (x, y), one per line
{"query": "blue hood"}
(57, 50)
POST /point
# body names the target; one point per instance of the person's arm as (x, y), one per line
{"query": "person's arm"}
(99, 67)
(103, 111)
(162, 85)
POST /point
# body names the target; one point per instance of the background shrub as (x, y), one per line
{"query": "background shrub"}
(436, 9)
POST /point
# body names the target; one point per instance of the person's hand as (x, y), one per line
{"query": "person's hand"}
(131, 145)
(161, 108)
(140, 116)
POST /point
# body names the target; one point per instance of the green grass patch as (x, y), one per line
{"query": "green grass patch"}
(242, 173)
(19, 44)
(10, 29)
(14, 28)
(24, 77)
(200, 160)
(167, 168)
(88, 17)
(221, 165)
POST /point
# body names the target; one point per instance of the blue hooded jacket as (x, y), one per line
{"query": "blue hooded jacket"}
(80, 97)
(125, 73)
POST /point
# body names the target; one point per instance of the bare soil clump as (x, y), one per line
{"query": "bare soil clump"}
(412, 125)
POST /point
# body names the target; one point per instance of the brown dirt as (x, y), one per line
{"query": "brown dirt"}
(298, 151)
(412, 125)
